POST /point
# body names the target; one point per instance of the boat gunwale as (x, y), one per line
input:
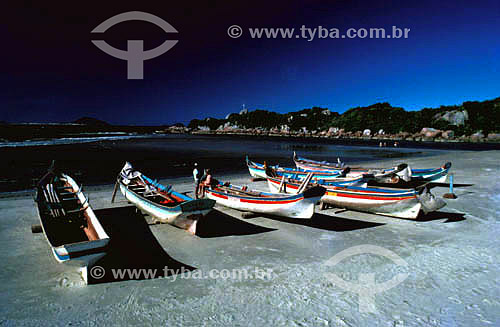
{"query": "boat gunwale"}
(270, 196)
(330, 188)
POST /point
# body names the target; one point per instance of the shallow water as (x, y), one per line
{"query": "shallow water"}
(174, 156)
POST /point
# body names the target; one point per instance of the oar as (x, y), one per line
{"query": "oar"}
(305, 182)
(115, 189)
(282, 183)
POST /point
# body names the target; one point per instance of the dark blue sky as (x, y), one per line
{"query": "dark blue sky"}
(54, 73)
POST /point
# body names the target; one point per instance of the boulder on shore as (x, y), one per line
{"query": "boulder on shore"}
(332, 131)
(454, 117)
(493, 136)
(476, 137)
(448, 134)
(285, 129)
(429, 132)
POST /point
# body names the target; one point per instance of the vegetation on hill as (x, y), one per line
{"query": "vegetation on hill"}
(465, 119)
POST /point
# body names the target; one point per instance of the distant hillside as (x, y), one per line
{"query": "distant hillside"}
(91, 121)
(466, 119)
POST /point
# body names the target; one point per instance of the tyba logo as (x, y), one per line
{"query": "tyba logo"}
(367, 288)
(135, 54)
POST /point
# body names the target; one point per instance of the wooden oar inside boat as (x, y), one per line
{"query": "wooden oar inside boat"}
(304, 183)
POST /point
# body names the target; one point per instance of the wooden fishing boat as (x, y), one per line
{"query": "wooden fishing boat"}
(313, 165)
(299, 205)
(342, 179)
(161, 202)
(71, 228)
(436, 175)
(339, 180)
(258, 170)
(394, 202)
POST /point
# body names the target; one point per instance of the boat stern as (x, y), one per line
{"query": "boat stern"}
(429, 202)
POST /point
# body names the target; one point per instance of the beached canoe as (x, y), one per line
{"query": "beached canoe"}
(71, 228)
(436, 175)
(339, 180)
(299, 205)
(391, 180)
(344, 178)
(258, 170)
(394, 202)
(162, 202)
(313, 165)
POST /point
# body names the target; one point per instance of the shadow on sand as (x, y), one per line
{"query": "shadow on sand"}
(445, 185)
(450, 217)
(219, 224)
(330, 223)
(132, 246)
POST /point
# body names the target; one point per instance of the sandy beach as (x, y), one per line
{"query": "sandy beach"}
(452, 261)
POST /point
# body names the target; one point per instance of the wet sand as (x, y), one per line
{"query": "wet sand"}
(452, 255)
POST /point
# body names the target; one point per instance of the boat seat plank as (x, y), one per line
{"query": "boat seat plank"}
(54, 202)
(73, 198)
(149, 195)
(64, 187)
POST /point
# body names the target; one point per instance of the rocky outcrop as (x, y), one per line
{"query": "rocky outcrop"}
(332, 131)
(177, 130)
(426, 134)
(493, 137)
(477, 137)
(455, 117)
(285, 129)
(430, 132)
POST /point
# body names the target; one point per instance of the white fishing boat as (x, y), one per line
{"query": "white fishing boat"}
(71, 228)
(298, 205)
(435, 175)
(163, 203)
(394, 202)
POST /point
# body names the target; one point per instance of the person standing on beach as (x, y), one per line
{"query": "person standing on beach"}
(196, 177)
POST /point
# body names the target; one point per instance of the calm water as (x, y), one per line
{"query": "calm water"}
(174, 155)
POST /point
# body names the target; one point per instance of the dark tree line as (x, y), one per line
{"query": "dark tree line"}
(482, 116)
